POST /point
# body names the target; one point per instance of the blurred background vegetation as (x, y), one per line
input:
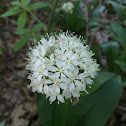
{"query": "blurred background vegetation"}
(102, 23)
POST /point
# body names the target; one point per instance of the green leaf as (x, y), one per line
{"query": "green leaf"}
(11, 12)
(122, 65)
(2, 123)
(22, 20)
(120, 35)
(111, 51)
(25, 2)
(103, 103)
(37, 37)
(22, 32)
(98, 10)
(45, 111)
(22, 42)
(36, 28)
(77, 11)
(124, 82)
(95, 3)
(15, 3)
(39, 5)
(100, 80)
(1, 52)
(76, 24)
(119, 9)
(93, 21)
(86, 110)
(95, 49)
(123, 56)
(96, 108)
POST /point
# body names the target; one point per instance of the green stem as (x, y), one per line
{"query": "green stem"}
(81, 68)
(67, 16)
(52, 14)
(35, 18)
(38, 20)
(54, 109)
(65, 114)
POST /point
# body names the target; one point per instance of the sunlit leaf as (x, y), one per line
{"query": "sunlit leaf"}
(36, 27)
(22, 20)
(11, 12)
(15, 3)
(25, 2)
(39, 5)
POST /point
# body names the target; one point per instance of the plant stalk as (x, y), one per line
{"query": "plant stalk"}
(35, 18)
(52, 15)
(65, 113)
(38, 21)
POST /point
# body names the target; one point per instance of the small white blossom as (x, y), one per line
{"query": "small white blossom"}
(61, 67)
(68, 7)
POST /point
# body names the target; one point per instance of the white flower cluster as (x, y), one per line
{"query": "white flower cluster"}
(68, 7)
(61, 66)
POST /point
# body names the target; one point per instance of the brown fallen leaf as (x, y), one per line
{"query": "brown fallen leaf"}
(21, 114)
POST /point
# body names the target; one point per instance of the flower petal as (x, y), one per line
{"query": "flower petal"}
(60, 98)
(71, 86)
(53, 69)
(52, 98)
(76, 71)
(39, 88)
(57, 89)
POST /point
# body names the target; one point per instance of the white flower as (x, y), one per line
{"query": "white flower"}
(61, 67)
(68, 7)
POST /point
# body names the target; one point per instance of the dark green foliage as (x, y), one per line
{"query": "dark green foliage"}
(36, 28)
(1, 52)
(111, 51)
(11, 12)
(119, 9)
(74, 22)
(38, 5)
(122, 65)
(90, 110)
(22, 42)
(119, 33)
(24, 7)
(98, 81)
(22, 18)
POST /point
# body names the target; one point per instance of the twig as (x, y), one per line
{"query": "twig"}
(87, 27)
